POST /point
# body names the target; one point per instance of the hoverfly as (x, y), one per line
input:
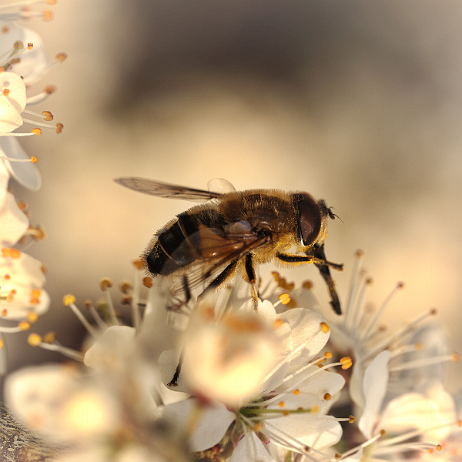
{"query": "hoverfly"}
(233, 231)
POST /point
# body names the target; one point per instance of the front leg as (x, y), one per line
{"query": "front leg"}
(250, 271)
(325, 273)
(290, 258)
(319, 259)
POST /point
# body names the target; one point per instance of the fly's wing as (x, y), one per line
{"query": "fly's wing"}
(167, 190)
(217, 259)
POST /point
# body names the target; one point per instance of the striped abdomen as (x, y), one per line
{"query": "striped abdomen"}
(179, 244)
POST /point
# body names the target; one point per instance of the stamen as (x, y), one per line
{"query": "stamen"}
(101, 324)
(373, 322)
(105, 284)
(35, 340)
(424, 362)
(354, 285)
(363, 445)
(69, 301)
(387, 341)
(283, 298)
(358, 307)
(22, 326)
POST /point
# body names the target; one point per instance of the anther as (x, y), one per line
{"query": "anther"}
(59, 128)
(125, 287)
(47, 15)
(327, 396)
(346, 362)
(126, 300)
(47, 115)
(30, 46)
(278, 323)
(36, 131)
(32, 317)
(284, 298)
(68, 300)
(49, 337)
(147, 282)
(325, 327)
(61, 57)
(9, 252)
(138, 264)
(34, 340)
(351, 419)
(308, 285)
(105, 284)
(24, 325)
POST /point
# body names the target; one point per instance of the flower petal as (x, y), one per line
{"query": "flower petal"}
(250, 448)
(375, 387)
(211, 426)
(25, 173)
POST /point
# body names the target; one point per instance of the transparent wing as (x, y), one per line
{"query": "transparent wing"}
(218, 254)
(167, 190)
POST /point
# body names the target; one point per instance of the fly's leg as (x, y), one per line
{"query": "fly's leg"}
(308, 259)
(176, 375)
(319, 259)
(176, 303)
(325, 273)
(250, 271)
(225, 274)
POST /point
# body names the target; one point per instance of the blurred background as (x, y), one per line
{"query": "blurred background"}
(356, 102)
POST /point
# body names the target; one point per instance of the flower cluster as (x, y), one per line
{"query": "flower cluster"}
(23, 61)
(238, 384)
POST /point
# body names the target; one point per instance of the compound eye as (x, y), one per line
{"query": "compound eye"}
(309, 221)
